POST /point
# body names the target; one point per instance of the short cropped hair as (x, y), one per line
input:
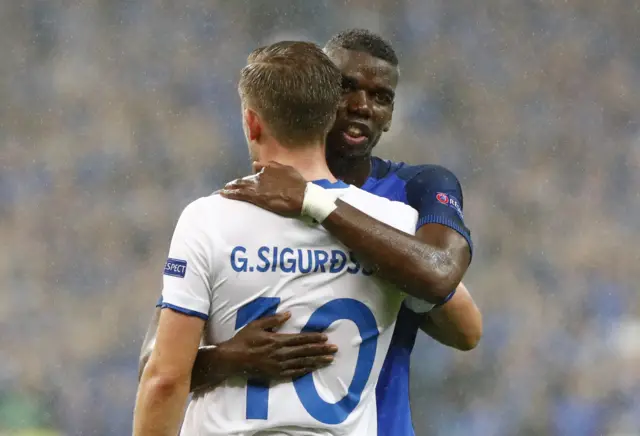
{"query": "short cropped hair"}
(295, 88)
(365, 41)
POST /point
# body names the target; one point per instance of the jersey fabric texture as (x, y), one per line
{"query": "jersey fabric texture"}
(436, 194)
(231, 262)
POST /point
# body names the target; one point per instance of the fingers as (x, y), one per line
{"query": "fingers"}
(238, 183)
(233, 194)
(244, 182)
(310, 350)
(240, 189)
(238, 192)
(293, 340)
(290, 340)
(306, 362)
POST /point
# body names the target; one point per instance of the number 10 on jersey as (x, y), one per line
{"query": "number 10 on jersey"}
(320, 320)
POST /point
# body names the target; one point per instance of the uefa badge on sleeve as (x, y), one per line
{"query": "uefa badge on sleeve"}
(451, 201)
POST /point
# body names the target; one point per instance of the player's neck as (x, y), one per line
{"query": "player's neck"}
(310, 161)
(351, 170)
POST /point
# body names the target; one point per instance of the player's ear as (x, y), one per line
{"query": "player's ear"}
(252, 121)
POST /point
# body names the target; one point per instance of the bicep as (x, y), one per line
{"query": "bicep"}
(176, 344)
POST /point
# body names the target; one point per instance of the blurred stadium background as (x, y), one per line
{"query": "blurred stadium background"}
(115, 114)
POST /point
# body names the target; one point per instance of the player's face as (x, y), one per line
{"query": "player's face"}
(365, 112)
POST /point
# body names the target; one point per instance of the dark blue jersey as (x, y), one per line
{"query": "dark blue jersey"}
(437, 196)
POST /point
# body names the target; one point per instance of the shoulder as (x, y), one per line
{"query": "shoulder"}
(224, 214)
(383, 168)
(427, 174)
(203, 204)
(202, 211)
(425, 181)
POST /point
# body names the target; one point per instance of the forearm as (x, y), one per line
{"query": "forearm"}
(457, 324)
(422, 270)
(213, 365)
(159, 406)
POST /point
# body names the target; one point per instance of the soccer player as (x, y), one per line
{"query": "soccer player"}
(370, 74)
(428, 266)
(231, 263)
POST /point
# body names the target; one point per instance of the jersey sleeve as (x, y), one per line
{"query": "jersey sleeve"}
(187, 274)
(436, 194)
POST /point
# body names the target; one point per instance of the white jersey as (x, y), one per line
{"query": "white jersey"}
(231, 263)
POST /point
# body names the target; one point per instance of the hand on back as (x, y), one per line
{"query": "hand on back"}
(261, 353)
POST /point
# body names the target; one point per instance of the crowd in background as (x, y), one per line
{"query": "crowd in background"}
(116, 114)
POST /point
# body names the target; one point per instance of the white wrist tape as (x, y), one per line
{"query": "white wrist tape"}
(417, 305)
(318, 203)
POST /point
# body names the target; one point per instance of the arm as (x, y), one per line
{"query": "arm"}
(457, 323)
(164, 386)
(255, 350)
(427, 266)
(186, 303)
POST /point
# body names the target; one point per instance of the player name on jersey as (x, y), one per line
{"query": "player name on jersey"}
(295, 260)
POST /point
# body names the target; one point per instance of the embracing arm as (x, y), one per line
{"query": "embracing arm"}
(430, 264)
(427, 266)
(256, 350)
